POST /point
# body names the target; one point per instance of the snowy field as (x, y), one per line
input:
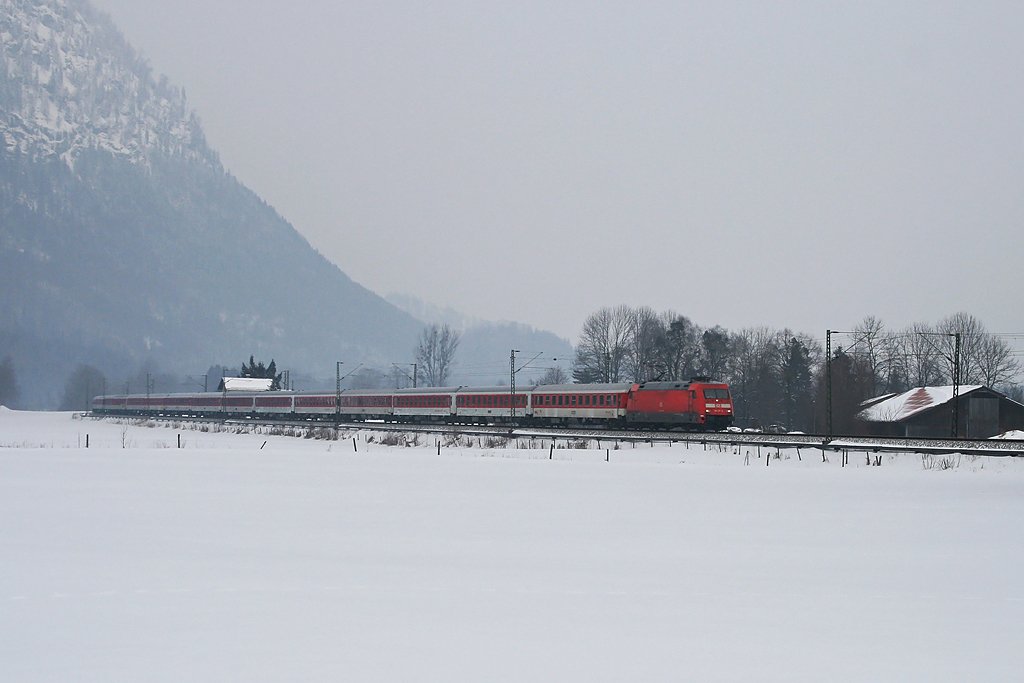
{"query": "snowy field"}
(255, 557)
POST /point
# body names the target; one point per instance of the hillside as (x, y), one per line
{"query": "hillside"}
(123, 239)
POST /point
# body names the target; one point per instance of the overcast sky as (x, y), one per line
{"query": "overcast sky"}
(789, 164)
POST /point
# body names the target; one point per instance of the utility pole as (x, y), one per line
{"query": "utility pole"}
(954, 374)
(337, 391)
(956, 387)
(512, 384)
(828, 383)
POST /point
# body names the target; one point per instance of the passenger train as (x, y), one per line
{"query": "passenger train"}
(699, 404)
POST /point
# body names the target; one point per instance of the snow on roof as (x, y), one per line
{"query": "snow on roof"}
(901, 406)
(1012, 434)
(247, 384)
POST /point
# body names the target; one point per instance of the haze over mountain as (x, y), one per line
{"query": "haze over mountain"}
(485, 346)
(124, 241)
(123, 238)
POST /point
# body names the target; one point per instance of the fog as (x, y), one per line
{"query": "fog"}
(790, 164)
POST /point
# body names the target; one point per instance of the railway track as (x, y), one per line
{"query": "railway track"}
(838, 443)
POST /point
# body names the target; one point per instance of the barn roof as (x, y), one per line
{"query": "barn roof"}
(898, 407)
(246, 384)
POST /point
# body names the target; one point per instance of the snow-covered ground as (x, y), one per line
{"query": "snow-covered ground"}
(253, 557)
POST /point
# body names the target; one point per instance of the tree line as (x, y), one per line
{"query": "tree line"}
(777, 376)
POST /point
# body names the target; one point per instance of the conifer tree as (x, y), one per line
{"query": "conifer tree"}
(261, 371)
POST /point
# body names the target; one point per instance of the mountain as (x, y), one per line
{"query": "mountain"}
(123, 240)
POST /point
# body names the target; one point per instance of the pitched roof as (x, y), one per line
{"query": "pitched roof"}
(901, 406)
(247, 384)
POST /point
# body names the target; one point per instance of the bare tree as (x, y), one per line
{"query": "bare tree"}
(554, 375)
(996, 364)
(601, 351)
(755, 377)
(977, 349)
(679, 351)
(645, 333)
(917, 356)
(868, 343)
(435, 353)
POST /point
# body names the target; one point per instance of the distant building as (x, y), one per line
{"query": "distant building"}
(928, 412)
(245, 384)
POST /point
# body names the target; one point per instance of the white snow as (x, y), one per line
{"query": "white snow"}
(247, 384)
(900, 406)
(304, 560)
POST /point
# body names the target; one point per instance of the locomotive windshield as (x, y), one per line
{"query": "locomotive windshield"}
(716, 394)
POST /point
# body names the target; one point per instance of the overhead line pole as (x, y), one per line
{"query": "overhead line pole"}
(828, 384)
(512, 384)
(956, 388)
(337, 391)
(954, 375)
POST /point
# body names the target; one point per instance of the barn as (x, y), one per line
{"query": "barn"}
(928, 412)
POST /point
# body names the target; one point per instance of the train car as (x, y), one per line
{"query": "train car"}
(431, 404)
(579, 403)
(486, 405)
(274, 403)
(697, 404)
(314, 404)
(358, 404)
(108, 405)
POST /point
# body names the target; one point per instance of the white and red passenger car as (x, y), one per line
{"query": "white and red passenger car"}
(696, 404)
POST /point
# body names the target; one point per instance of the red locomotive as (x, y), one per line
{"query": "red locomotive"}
(698, 404)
